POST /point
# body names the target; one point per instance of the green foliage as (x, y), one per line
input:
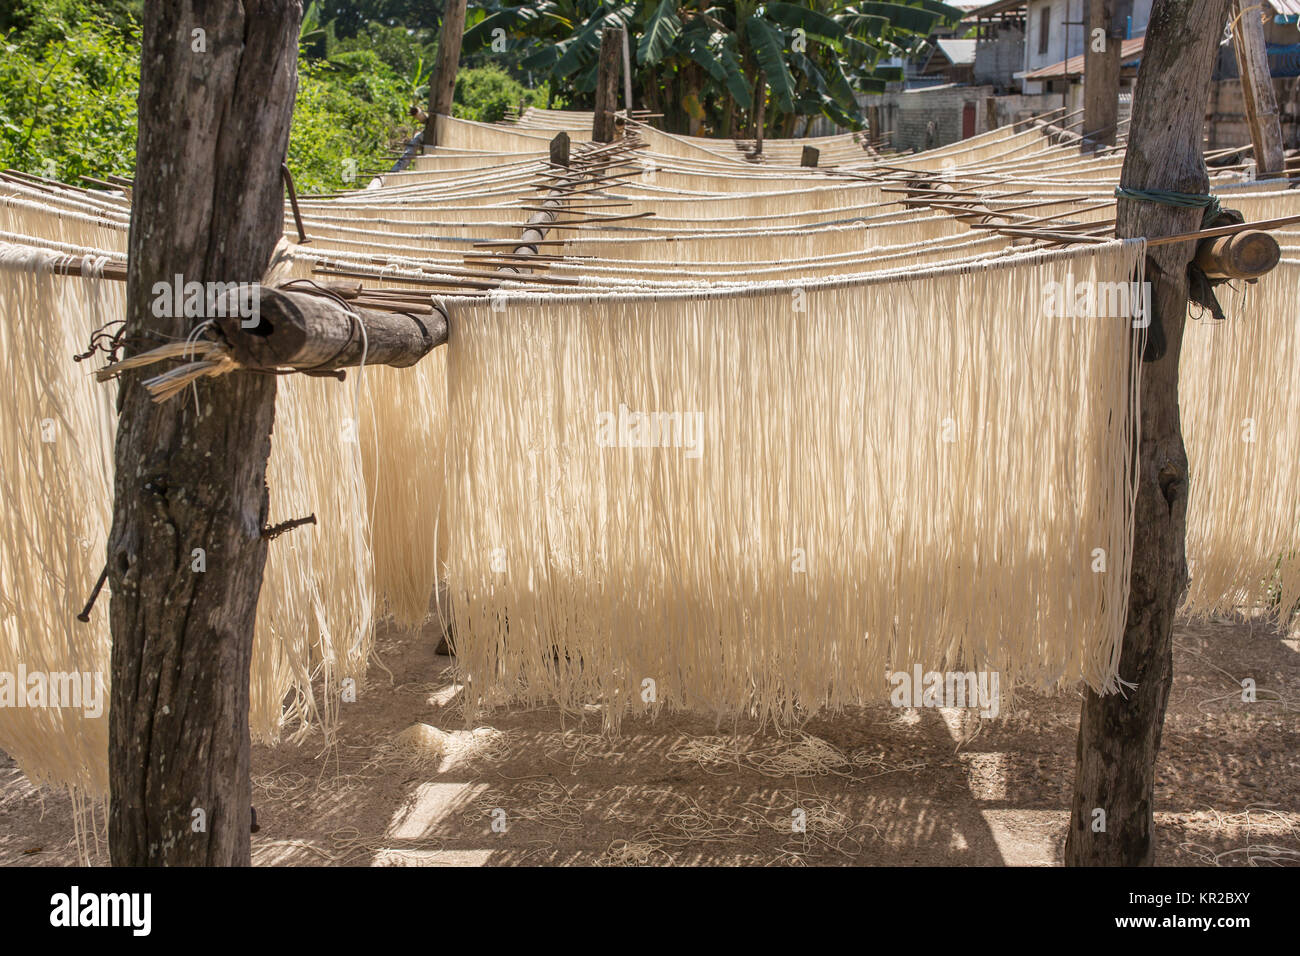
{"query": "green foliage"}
(660, 31)
(69, 78)
(698, 63)
(68, 85)
(352, 18)
(396, 46)
(311, 31)
(484, 93)
(902, 17)
(769, 49)
(349, 110)
(46, 20)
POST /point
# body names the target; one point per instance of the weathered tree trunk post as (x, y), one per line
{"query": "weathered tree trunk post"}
(1257, 88)
(1119, 735)
(442, 85)
(1101, 66)
(185, 556)
(602, 123)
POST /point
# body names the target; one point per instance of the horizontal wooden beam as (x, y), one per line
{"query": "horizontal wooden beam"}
(1224, 230)
(1242, 255)
(313, 332)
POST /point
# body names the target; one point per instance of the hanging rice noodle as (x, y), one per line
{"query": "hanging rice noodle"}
(860, 476)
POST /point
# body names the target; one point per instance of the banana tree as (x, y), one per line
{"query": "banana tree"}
(702, 62)
(314, 35)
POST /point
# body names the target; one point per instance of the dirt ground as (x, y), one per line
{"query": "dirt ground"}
(874, 786)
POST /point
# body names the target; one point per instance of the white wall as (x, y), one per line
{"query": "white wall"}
(1062, 10)
(1141, 16)
(1055, 34)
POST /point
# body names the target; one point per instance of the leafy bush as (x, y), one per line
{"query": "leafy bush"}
(394, 45)
(70, 76)
(484, 93)
(68, 86)
(349, 112)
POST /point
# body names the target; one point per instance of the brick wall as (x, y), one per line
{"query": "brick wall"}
(928, 118)
(909, 114)
(996, 61)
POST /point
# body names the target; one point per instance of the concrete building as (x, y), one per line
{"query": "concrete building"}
(1056, 32)
(1029, 58)
(951, 59)
(999, 46)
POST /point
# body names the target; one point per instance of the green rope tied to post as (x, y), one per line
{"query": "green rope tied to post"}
(1167, 197)
(1200, 286)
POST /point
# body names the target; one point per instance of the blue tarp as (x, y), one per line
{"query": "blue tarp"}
(1282, 61)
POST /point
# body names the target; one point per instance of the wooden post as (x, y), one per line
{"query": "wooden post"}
(1257, 89)
(760, 106)
(1101, 66)
(442, 86)
(627, 76)
(293, 203)
(1119, 735)
(185, 554)
(602, 124)
(560, 149)
(809, 156)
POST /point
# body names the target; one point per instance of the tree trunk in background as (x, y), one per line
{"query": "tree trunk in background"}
(691, 100)
(442, 85)
(1257, 89)
(1119, 736)
(650, 96)
(190, 489)
(1101, 72)
(602, 122)
(627, 76)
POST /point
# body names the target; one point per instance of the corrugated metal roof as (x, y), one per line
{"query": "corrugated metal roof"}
(1128, 50)
(999, 6)
(958, 52)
